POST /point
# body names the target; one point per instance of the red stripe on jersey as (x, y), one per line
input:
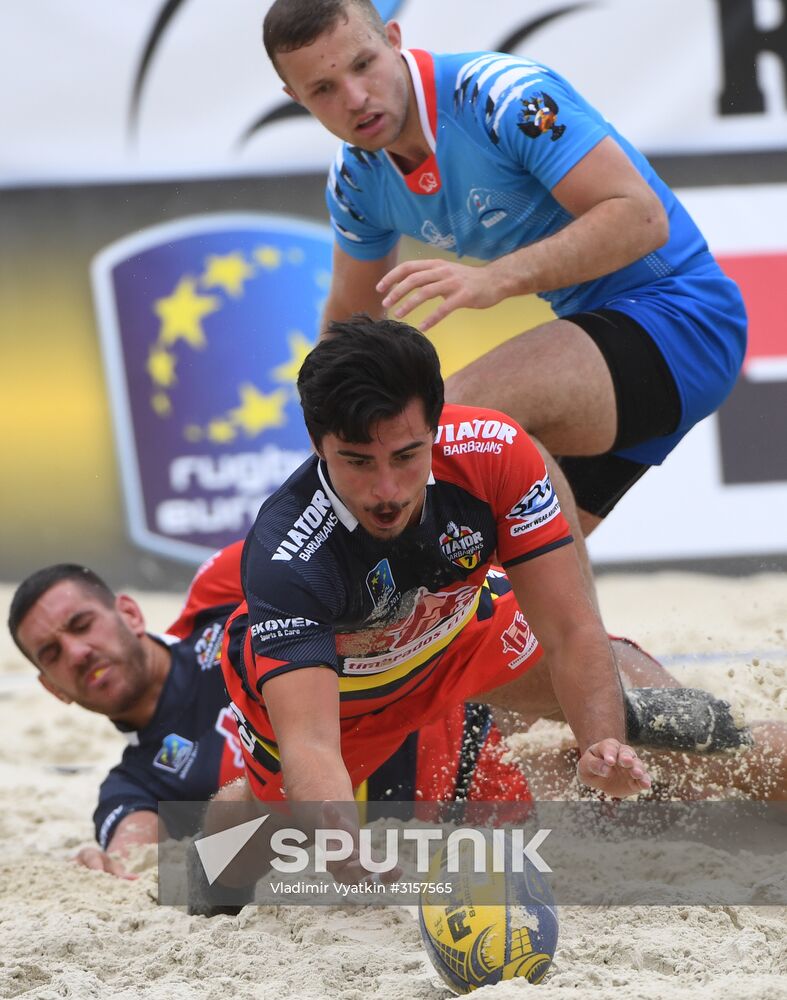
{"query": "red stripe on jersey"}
(425, 179)
(425, 64)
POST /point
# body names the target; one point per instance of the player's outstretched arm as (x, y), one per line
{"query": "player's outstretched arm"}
(617, 219)
(581, 667)
(304, 709)
(139, 828)
(354, 286)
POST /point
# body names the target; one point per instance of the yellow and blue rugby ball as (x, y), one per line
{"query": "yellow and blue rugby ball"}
(490, 930)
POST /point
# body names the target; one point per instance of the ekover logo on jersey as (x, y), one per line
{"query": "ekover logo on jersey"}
(280, 628)
(539, 505)
(309, 531)
(461, 545)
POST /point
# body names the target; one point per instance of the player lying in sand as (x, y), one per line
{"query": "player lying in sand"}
(167, 695)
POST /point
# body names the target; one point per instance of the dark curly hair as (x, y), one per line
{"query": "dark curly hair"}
(364, 371)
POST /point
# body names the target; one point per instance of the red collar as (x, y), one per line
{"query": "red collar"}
(425, 179)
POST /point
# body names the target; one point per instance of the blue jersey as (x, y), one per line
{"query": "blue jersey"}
(503, 132)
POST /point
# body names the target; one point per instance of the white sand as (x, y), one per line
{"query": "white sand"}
(67, 932)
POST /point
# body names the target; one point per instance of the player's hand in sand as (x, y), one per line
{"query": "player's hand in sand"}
(614, 768)
(98, 860)
(343, 816)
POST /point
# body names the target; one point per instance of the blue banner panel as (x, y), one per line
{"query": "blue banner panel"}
(205, 322)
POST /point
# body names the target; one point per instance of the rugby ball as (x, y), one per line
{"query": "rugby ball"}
(503, 927)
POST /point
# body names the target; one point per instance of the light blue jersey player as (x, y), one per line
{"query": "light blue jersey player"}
(499, 158)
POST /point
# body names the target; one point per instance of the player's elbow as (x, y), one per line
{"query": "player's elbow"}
(654, 223)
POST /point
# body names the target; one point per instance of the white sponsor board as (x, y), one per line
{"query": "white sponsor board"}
(684, 510)
(118, 91)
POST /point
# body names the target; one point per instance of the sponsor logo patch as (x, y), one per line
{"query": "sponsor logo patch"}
(519, 640)
(539, 115)
(432, 619)
(309, 531)
(281, 628)
(175, 751)
(461, 545)
(227, 726)
(475, 436)
(481, 205)
(537, 506)
(431, 234)
(380, 583)
(208, 646)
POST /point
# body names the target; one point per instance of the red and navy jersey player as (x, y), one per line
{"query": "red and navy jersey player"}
(191, 748)
(410, 625)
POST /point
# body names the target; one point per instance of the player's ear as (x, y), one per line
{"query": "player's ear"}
(291, 93)
(131, 613)
(394, 35)
(53, 689)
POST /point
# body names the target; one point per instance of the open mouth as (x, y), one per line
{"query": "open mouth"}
(387, 517)
(369, 123)
(95, 676)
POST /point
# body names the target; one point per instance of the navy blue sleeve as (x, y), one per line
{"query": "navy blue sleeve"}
(120, 795)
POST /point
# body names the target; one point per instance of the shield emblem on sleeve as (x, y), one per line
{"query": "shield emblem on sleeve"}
(204, 324)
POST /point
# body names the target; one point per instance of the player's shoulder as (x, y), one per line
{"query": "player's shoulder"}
(471, 77)
(484, 90)
(289, 552)
(354, 172)
(472, 440)
(464, 423)
(352, 161)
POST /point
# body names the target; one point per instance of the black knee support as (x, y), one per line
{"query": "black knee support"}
(682, 719)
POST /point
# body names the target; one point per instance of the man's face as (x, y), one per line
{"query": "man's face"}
(352, 80)
(382, 483)
(87, 652)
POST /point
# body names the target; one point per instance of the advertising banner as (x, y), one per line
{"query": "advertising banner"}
(205, 323)
(184, 88)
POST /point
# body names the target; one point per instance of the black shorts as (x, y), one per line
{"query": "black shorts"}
(648, 406)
